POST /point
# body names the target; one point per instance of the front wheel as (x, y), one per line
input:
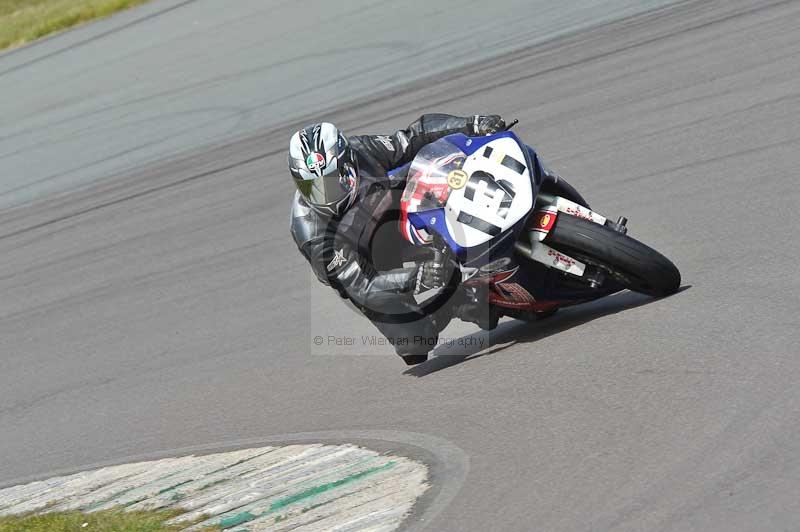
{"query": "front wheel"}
(634, 265)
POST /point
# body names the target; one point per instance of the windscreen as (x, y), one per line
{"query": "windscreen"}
(481, 193)
(430, 174)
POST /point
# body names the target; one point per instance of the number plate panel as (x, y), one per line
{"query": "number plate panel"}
(497, 194)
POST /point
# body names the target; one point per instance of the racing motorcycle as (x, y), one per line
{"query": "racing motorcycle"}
(525, 242)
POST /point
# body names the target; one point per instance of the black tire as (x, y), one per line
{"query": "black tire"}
(632, 264)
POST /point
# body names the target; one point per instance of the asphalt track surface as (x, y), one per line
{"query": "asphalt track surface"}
(173, 75)
(166, 307)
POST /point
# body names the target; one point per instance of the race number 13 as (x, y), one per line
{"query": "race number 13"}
(488, 198)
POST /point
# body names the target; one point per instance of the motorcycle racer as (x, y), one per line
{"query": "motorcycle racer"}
(345, 196)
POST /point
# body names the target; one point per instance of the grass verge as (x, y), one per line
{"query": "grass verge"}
(107, 521)
(24, 21)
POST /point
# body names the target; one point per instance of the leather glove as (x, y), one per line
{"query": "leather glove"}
(487, 125)
(432, 275)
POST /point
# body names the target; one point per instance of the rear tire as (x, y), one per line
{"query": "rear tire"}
(632, 264)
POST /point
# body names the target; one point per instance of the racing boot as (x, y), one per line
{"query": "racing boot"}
(474, 307)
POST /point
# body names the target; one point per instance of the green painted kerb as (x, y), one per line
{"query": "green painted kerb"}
(282, 503)
(237, 519)
(244, 517)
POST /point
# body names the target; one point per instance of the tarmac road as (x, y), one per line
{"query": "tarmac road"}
(165, 307)
(153, 82)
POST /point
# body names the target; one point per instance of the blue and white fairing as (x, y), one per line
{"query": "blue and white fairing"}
(471, 191)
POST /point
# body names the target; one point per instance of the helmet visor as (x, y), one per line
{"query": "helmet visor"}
(330, 190)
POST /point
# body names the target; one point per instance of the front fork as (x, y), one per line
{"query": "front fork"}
(542, 220)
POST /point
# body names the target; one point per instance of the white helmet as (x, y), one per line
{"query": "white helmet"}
(324, 168)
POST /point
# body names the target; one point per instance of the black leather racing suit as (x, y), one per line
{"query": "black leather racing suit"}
(343, 252)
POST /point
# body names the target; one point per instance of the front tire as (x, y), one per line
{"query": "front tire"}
(634, 265)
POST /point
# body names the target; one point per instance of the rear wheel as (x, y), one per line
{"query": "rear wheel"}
(634, 265)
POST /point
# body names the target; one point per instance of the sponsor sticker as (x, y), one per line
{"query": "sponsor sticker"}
(315, 162)
(544, 221)
(578, 212)
(457, 179)
(558, 257)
